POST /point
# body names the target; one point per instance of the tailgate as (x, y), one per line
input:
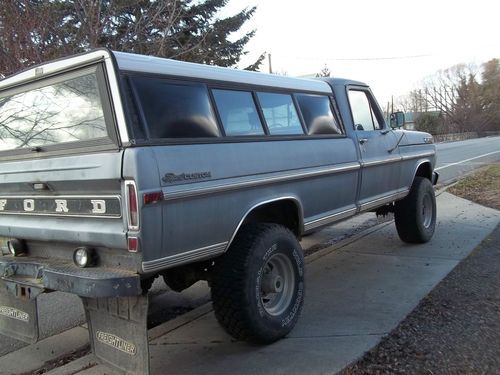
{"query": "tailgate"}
(72, 199)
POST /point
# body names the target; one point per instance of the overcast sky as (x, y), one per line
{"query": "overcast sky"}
(391, 45)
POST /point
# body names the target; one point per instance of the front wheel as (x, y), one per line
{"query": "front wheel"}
(415, 215)
(258, 285)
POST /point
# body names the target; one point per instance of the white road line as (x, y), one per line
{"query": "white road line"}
(466, 160)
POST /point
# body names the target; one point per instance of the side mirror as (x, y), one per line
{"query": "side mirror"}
(397, 119)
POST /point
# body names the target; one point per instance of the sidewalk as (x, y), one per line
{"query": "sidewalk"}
(454, 329)
(355, 295)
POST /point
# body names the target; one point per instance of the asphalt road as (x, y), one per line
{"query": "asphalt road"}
(457, 158)
(61, 311)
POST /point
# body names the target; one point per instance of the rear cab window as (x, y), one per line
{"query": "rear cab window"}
(67, 111)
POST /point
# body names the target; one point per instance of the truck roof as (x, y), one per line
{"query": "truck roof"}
(157, 65)
(343, 82)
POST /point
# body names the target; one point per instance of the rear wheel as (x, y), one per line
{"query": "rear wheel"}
(258, 285)
(415, 215)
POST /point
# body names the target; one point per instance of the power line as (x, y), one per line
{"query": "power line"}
(353, 58)
(382, 58)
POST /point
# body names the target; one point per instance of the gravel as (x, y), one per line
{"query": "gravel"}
(454, 330)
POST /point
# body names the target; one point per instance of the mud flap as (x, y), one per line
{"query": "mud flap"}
(118, 332)
(18, 312)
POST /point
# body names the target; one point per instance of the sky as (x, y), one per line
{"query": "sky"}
(391, 45)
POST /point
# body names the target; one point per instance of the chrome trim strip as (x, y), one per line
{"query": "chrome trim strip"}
(417, 156)
(380, 162)
(294, 199)
(60, 196)
(397, 159)
(116, 100)
(174, 195)
(183, 258)
(329, 219)
(387, 199)
(58, 215)
(52, 169)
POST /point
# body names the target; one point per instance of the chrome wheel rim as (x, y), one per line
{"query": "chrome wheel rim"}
(277, 284)
(427, 211)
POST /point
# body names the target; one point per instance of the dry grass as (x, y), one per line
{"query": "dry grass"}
(482, 187)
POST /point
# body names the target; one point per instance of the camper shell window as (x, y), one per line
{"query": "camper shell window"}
(318, 115)
(238, 112)
(175, 109)
(65, 109)
(280, 114)
(172, 109)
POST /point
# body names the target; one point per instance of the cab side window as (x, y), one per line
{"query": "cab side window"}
(362, 111)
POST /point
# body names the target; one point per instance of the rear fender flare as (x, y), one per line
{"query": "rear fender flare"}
(293, 199)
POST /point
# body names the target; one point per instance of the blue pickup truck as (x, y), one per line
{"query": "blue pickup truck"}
(117, 168)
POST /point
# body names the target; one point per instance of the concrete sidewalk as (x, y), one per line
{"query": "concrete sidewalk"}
(355, 295)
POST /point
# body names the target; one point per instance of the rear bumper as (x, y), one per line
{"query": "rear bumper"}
(36, 275)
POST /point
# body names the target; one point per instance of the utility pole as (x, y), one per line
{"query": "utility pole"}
(270, 65)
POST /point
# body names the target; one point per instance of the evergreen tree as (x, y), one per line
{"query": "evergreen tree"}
(325, 72)
(33, 31)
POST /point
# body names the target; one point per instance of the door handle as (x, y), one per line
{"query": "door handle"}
(363, 140)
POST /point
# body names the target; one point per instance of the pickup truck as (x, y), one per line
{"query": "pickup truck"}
(118, 168)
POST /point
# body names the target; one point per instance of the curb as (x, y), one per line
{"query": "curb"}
(75, 366)
(33, 357)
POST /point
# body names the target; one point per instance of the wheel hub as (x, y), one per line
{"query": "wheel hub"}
(277, 284)
(272, 283)
(427, 211)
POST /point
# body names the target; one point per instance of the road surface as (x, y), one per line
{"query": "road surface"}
(61, 311)
(457, 158)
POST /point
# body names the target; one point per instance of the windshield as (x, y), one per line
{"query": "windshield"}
(63, 110)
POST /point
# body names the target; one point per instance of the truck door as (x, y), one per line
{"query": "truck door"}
(380, 172)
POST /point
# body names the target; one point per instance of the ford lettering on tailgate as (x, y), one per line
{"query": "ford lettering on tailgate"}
(62, 206)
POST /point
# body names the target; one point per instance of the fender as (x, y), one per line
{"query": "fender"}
(421, 162)
(295, 200)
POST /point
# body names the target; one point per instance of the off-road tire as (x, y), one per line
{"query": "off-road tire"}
(415, 215)
(240, 303)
